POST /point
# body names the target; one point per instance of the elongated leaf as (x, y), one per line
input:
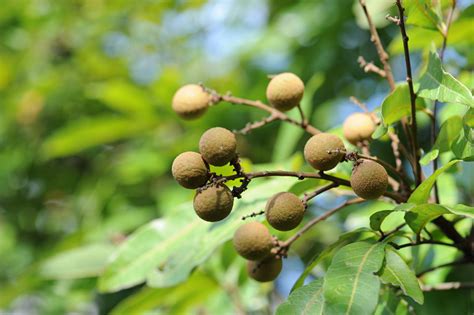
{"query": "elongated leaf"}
(397, 104)
(437, 84)
(420, 215)
(148, 299)
(377, 219)
(87, 133)
(350, 286)
(420, 13)
(343, 240)
(305, 300)
(461, 209)
(380, 131)
(463, 146)
(165, 251)
(422, 192)
(397, 272)
(288, 135)
(83, 262)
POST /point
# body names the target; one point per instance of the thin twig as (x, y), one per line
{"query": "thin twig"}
(361, 105)
(255, 125)
(383, 55)
(448, 286)
(316, 220)
(311, 195)
(453, 263)
(370, 67)
(431, 242)
(304, 121)
(216, 97)
(409, 79)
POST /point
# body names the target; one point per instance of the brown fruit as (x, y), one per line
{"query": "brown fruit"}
(358, 127)
(213, 203)
(218, 146)
(369, 179)
(191, 101)
(265, 270)
(190, 170)
(285, 91)
(253, 241)
(284, 211)
(323, 151)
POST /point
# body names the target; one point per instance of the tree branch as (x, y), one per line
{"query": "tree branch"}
(308, 197)
(448, 286)
(216, 97)
(413, 125)
(453, 263)
(370, 67)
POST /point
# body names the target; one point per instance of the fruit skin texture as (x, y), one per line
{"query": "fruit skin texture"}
(285, 91)
(213, 203)
(218, 146)
(316, 151)
(191, 101)
(253, 241)
(358, 127)
(369, 179)
(190, 170)
(265, 270)
(284, 211)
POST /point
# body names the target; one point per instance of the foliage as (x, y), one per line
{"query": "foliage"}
(91, 219)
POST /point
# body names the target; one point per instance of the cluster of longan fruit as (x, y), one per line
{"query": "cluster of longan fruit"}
(284, 211)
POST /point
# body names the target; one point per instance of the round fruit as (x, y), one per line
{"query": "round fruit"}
(218, 146)
(285, 91)
(369, 179)
(213, 203)
(265, 270)
(191, 101)
(323, 151)
(190, 170)
(358, 127)
(253, 241)
(284, 211)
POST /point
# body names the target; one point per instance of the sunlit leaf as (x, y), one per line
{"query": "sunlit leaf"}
(350, 285)
(437, 84)
(308, 299)
(420, 13)
(422, 192)
(421, 215)
(397, 104)
(396, 272)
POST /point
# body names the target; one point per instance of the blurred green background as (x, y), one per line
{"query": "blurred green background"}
(87, 134)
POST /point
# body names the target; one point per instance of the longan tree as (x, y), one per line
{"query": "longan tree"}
(361, 266)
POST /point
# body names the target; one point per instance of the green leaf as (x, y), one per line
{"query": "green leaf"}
(420, 13)
(380, 131)
(87, 133)
(165, 251)
(420, 215)
(463, 146)
(148, 299)
(308, 299)
(377, 219)
(397, 104)
(437, 84)
(428, 157)
(397, 272)
(83, 262)
(461, 209)
(122, 96)
(343, 240)
(422, 192)
(350, 286)
(289, 135)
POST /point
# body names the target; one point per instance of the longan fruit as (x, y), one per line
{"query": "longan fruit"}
(213, 203)
(264, 270)
(190, 170)
(218, 146)
(369, 179)
(323, 151)
(358, 127)
(284, 211)
(253, 241)
(285, 91)
(191, 101)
